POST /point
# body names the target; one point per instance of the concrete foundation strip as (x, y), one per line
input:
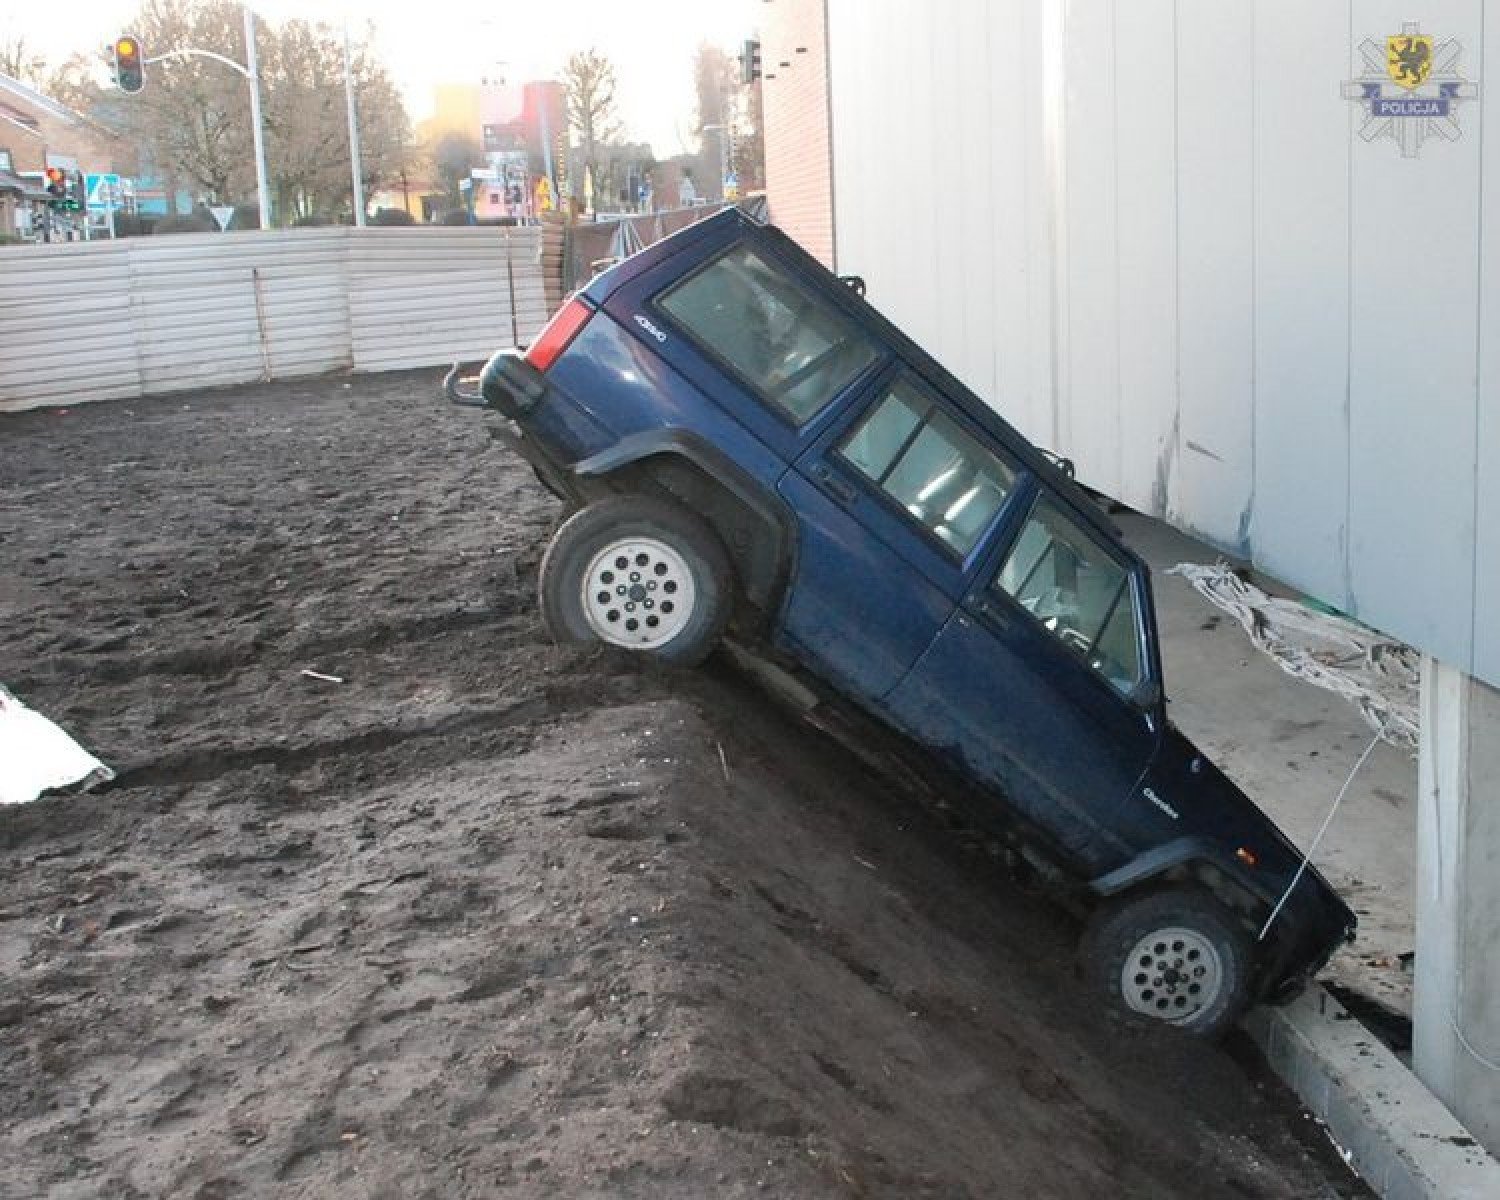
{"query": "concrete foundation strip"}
(1400, 1138)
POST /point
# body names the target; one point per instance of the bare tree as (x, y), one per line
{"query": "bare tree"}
(729, 111)
(716, 79)
(750, 140)
(192, 119)
(589, 83)
(20, 63)
(452, 157)
(302, 69)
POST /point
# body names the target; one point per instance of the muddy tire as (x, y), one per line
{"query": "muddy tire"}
(1176, 957)
(638, 573)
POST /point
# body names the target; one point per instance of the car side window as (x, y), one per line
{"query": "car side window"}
(795, 349)
(924, 461)
(1065, 578)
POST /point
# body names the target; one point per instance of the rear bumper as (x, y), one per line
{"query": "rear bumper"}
(511, 385)
(514, 388)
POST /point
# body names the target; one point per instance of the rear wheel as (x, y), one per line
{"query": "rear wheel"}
(638, 573)
(1176, 956)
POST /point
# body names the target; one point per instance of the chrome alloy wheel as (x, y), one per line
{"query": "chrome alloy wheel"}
(638, 593)
(1172, 974)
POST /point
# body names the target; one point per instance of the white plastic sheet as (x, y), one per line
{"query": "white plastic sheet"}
(1379, 675)
(36, 756)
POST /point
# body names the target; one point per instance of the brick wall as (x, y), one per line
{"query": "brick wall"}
(799, 151)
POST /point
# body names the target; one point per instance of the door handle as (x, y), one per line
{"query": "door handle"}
(841, 490)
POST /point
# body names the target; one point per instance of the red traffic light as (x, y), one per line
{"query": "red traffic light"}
(57, 183)
(130, 67)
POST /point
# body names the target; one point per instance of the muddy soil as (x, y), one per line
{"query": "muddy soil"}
(491, 917)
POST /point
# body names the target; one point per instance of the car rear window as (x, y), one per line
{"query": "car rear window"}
(925, 462)
(796, 350)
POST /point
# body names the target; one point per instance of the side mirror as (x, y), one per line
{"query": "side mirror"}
(854, 283)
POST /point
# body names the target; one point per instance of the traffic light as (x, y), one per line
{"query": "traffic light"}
(130, 69)
(57, 186)
(750, 61)
(77, 192)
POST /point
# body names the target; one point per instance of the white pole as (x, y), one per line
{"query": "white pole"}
(262, 188)
(355, 166)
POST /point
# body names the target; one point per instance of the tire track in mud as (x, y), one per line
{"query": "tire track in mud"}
(203, 765)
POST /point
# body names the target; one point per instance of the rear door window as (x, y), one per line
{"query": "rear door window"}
(920, 457)
(1065, 578)
(795, 350)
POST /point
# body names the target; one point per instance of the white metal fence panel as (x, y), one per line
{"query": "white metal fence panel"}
(303, 297)
(110, 320)
(193, 302)
(422, 296)
(66, 332)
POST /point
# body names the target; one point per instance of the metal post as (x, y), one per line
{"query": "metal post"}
(355, 167)
(252, 69)
(546, 134)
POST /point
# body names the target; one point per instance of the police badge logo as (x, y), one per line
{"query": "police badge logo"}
(1428, 93)
(1408, 59)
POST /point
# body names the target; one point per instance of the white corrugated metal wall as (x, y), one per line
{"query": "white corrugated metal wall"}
(139, 316)
(1151, 234)
(413, 296)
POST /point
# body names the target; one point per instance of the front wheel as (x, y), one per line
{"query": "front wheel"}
(639, 573)
(1177, 956)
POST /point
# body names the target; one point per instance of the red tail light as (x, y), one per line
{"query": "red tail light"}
(561, 330)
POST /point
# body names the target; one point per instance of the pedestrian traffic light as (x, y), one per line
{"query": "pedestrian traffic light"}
(77, 192)
(749, 61)
(57, 185)
(130, 70)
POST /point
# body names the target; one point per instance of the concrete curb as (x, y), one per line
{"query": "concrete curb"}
(1398, 1135)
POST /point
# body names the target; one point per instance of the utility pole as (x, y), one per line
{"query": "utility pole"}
(252, 72)
(250, 69)
(355, 166)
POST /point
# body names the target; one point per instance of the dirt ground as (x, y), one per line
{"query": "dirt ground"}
(491, 917)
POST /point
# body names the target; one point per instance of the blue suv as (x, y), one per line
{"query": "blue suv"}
(747, 446)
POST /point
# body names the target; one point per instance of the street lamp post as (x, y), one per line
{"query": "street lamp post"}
(355, 166)
(252, 73)
(250, 69)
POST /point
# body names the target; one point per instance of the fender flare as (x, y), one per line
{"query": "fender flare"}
(1160, 859)
(713, 462)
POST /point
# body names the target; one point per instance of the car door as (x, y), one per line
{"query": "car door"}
(893, 505)
(1041, 681)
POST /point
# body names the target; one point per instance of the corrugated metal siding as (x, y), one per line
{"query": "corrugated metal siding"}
(424, 296)
(1225, 304)
(111, 320)
(305, 299)
(66, 333)
(1487, 423)
(194, 310)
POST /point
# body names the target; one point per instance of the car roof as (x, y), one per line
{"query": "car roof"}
(731, 224)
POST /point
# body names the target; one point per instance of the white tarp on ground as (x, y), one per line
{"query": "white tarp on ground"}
(1381, 676)
(36, 756)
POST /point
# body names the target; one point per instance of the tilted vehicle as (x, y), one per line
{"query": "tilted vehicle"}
(747, 444)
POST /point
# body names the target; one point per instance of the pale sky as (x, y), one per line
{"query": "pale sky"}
(425, 42)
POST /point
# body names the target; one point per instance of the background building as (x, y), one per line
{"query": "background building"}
(36, 132)
(1240, 260)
